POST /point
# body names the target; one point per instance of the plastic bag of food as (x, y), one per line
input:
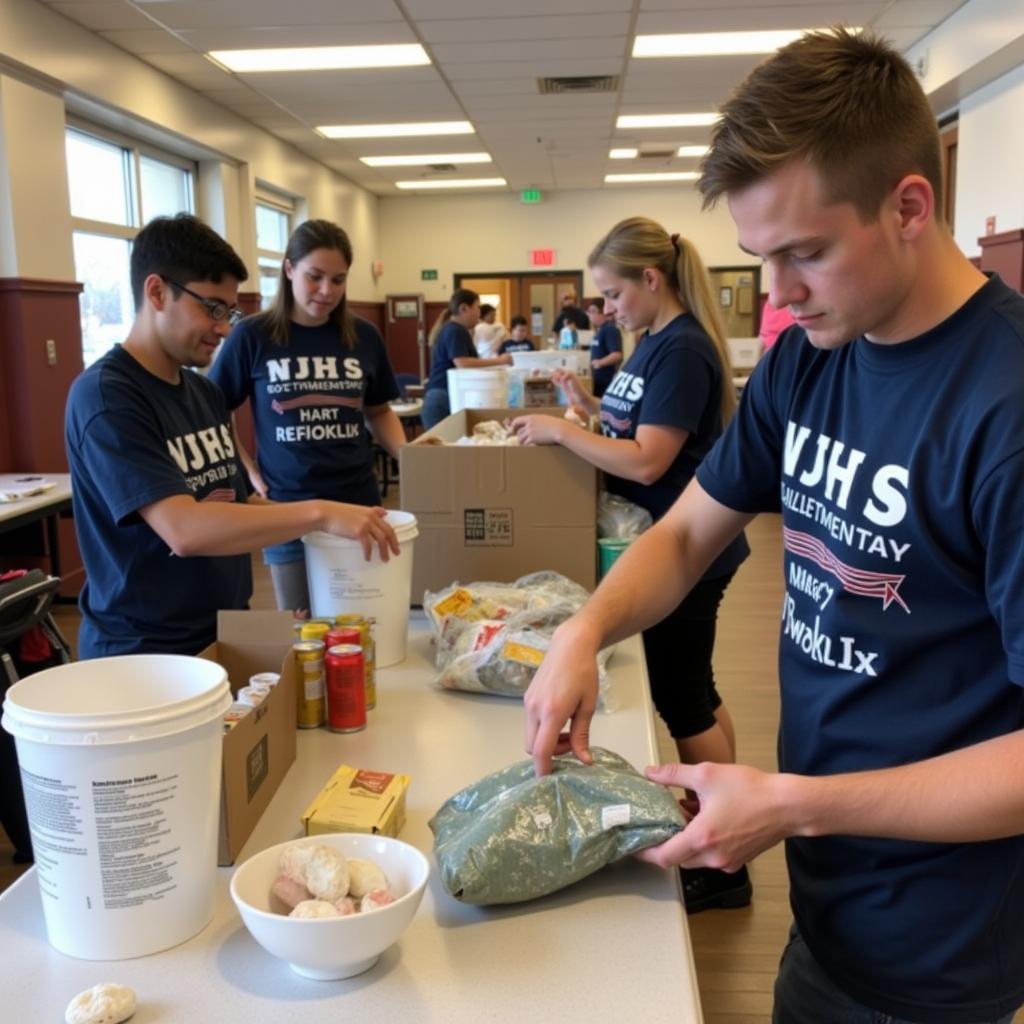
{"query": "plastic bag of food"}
(492, 637)
(618, 517)
(512, 836)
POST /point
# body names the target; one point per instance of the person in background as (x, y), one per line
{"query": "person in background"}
(520, 341)
(489, 332)
(665, 409)
(887, 430)
(163, 520)
(605, 349)
(570, 315)
(773, 323)
(451, 347)
(319, 382)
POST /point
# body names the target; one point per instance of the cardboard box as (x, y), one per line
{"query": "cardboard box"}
(497, 513)
(260, 748)
(358, 800)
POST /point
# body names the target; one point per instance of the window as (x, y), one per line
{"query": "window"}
(274, 214)
(115, 187)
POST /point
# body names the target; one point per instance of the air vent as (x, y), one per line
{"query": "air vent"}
(578, 83)
(438, 168)
(656, 154)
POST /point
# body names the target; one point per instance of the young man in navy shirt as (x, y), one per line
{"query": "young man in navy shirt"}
(888, 430)
(605, 349)
(162, 511)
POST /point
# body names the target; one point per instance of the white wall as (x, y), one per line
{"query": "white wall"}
(50, 47)
(990, 160)
(481, 233)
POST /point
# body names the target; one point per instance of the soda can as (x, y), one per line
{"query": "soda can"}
(343, 635)
(314, 630)
(311, 705)
(346, 688)
(365, 626)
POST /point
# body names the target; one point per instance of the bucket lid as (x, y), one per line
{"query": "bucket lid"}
(403, 523)
(116, 700)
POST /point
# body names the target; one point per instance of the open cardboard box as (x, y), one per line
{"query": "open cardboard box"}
(260, 749)
(497, 513)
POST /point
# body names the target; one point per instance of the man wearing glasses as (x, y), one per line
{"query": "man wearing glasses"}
(162, 511)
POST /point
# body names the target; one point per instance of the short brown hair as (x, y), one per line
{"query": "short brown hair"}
(847, 102)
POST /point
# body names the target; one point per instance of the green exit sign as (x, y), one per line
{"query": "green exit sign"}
(428, 275)
(530, 195)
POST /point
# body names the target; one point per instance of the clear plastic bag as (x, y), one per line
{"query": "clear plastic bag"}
(512, 836)
(618, 517)
(492, 637)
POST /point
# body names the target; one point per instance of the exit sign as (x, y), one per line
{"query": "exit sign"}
(428, 275)
(542, 257)
(530, 195)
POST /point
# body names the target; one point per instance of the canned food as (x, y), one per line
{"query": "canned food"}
(314, 630)
(346, 688)
(343, 635)
(309, 659)
(252, 695)
(366, 641)
(270, 679)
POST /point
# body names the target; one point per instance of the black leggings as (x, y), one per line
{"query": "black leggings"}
(678, 651)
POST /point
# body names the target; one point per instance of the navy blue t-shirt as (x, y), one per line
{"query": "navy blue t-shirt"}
(672, 379)
(607, 340)
(899, 472)
(308, 402)
(453, 342)
(133, 439)
(511, 345)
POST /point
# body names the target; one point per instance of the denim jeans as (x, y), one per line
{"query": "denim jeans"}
(805, 995)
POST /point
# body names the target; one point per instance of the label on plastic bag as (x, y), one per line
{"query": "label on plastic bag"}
(455, 603)
(485, 633)
(614, 815)
(521, 653)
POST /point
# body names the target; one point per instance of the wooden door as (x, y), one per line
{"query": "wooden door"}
(404, 334)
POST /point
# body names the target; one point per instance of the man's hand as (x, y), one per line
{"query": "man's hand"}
(363, 523)
(741, 812)
(564, 688)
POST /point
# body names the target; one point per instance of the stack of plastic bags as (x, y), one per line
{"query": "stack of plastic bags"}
(492, 637)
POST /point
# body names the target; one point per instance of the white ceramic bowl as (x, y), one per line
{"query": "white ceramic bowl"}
(333, 947)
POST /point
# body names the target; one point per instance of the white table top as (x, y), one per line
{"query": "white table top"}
(615, 947)
(60, 492)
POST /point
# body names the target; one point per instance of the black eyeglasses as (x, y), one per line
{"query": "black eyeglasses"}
(218, 310)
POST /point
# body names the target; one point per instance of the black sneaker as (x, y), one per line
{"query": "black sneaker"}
(710, 889)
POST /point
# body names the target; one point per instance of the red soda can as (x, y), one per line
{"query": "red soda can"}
(343, 635)
(345, 675)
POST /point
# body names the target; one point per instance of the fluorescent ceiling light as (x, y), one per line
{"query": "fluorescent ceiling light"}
(716, 44)
(613, 179)
(623, 154)
(384, 131)
(666, 120)
(426, 158)
(321, 58)
(692, 150)
(454, 183)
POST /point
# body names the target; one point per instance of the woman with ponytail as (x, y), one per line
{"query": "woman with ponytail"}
(660, 416)
(452, 348)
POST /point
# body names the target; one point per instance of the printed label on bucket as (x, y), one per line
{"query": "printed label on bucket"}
(343, 584)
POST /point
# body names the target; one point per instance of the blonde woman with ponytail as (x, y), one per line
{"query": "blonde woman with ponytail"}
(660, 416)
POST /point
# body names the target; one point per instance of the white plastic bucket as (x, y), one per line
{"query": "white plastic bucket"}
(120, 759)
(342, 581)
(478, 389)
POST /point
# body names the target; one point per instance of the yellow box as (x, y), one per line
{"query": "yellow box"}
(357, 800)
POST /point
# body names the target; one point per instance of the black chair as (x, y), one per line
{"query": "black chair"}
(24, 603)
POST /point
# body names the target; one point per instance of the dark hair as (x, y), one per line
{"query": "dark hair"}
(519, 321)
(306, 238)
(182, 249)
(460, 297)
(847, 103)
(485, 308)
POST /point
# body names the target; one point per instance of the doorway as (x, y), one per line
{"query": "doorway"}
(535, 295)
(738, 290)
